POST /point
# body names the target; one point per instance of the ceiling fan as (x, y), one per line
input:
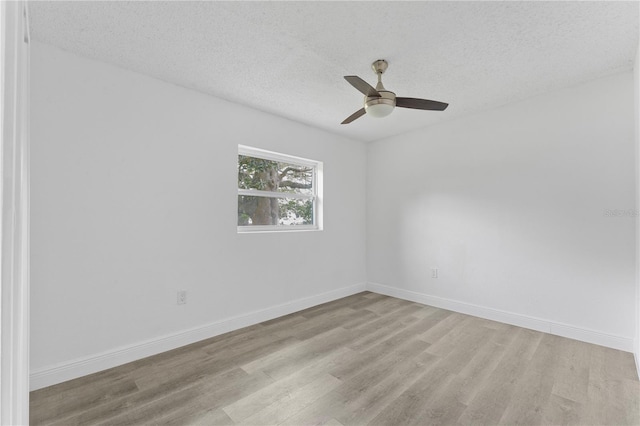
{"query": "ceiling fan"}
(380, 102)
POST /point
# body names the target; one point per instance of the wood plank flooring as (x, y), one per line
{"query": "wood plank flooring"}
(364, 359)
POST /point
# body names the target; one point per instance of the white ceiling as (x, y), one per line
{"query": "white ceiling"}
(288, 58)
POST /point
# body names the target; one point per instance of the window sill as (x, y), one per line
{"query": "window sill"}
(275, 229)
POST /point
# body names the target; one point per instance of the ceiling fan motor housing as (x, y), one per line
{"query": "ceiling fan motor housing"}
(380, 106)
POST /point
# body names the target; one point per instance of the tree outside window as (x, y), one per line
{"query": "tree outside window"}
(275, 191)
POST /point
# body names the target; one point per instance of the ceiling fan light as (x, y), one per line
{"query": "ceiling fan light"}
(379, 107)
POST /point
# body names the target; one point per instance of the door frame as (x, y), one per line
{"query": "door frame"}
(14, 223)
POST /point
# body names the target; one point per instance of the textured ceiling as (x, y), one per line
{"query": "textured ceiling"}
(288, 58)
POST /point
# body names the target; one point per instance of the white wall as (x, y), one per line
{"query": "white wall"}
(509, 205)
(134, 197)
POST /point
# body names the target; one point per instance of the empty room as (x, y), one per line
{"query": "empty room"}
(320, 213)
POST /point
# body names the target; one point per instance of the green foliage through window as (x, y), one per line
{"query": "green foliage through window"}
(273, 193)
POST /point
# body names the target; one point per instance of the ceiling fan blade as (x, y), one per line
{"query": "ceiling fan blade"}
(421, 104)
(364, 87)
(359, 113)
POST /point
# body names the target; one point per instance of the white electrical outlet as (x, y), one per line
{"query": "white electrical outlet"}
(434, 272)
(182, 297)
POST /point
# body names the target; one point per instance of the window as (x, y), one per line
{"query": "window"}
(277, 192)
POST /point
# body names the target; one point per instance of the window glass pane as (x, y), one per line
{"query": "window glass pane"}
(269, 175)
(295, 211)
(274, 211)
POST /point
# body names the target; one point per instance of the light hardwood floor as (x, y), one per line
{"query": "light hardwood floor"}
(364, 359)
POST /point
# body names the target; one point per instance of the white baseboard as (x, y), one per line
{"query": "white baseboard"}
(62, 372)
(547, 326)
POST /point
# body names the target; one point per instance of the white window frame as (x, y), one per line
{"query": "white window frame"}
(316, 197)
